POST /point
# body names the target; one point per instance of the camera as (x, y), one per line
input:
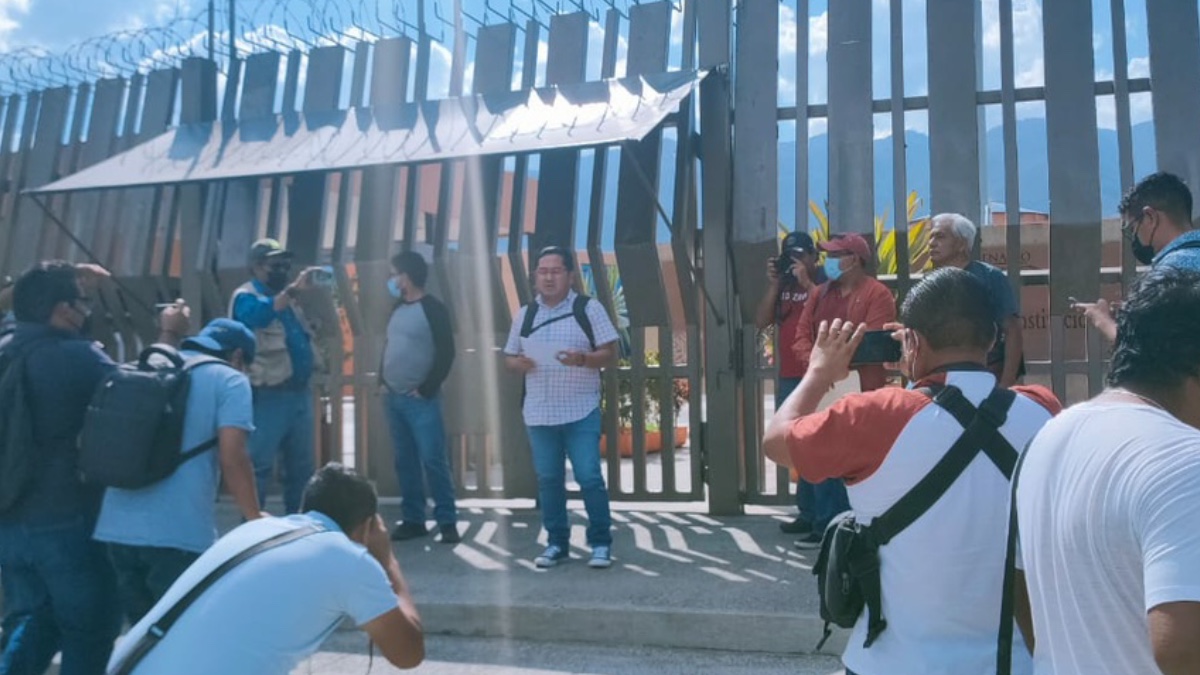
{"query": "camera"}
(783, 264)
(322, 276)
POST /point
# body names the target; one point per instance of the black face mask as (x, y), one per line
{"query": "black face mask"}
(1143, 253)
(277, 280)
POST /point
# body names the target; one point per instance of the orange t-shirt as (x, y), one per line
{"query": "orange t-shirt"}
(871, 303)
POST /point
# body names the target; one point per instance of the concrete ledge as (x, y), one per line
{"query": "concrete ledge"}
(681, 629)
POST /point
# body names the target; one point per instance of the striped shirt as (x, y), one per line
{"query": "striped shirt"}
(557, 394)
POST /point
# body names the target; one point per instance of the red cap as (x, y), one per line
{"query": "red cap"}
(848, 242)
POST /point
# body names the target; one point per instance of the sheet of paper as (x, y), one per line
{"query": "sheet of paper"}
(542, 353)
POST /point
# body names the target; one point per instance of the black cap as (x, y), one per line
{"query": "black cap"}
(265, 249)
(800, 242)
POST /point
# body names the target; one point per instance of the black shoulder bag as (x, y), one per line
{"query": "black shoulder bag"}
(158, 630)
(847, 567)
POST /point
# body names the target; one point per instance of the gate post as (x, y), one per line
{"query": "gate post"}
(721, 437)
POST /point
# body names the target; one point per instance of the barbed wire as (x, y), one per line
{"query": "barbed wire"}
(266, 25)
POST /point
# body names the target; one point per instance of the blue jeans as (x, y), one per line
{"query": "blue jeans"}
(144, 573)
(552, 445)
(59, 594)
(419, 440)
(819, 503)
(283, 421)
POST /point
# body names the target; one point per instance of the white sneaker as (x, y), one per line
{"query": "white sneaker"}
(601, 558)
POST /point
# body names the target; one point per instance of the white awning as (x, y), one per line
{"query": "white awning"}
(589, 114)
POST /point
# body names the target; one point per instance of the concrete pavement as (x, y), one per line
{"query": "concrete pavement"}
(345, 654)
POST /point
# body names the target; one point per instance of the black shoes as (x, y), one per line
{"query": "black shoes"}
(808, 542)
(449, 534)
(406, 530)
(798, 526)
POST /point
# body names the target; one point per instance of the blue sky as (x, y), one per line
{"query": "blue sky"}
(55, 24)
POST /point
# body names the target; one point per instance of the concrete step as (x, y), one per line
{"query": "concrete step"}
(680, 579)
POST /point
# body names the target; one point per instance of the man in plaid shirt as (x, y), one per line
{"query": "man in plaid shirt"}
(562, 402)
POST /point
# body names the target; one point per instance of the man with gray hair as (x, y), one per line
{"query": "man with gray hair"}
(951, 241)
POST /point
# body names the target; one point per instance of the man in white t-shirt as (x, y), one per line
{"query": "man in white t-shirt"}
(270, 612)
(1108, 502)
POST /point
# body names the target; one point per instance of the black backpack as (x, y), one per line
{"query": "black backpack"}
(578, 311)
(17, 452)
(847, 567)
(133, 430)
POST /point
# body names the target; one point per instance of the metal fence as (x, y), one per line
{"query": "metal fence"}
(690, 257)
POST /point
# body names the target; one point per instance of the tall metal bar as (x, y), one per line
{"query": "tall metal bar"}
(1173, 33)
(721, 442)
(953, 120)
(899, 151)
(1074, 168)
(851, 133)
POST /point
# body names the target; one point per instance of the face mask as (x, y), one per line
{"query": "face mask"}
(85, 326)
(1143, 253)
(833, 268)
(277, 280)
(394, 288)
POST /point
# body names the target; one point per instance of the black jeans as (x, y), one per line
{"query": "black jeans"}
(144, 573)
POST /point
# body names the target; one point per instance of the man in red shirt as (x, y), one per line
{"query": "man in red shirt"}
(792, 277)
(851, 294)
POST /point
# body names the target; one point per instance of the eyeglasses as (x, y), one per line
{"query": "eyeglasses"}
(1129, 228)
(280, 267)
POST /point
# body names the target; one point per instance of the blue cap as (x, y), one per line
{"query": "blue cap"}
(225, 335)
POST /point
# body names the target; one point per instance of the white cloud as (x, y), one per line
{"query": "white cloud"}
(818, 35)
(9, 11)
(1027, 41)
(1139, 67)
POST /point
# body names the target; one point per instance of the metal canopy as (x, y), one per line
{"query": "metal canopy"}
(578, 115)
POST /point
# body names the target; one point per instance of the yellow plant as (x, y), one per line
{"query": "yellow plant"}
(885, 240)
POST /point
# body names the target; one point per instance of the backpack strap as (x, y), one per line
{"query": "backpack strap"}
(578, 312)
(579, 309)
(530, 313)
(188, 366)
(158, 630)
(1004, 642)
(988, 417)
(995, 407)
(980, 431)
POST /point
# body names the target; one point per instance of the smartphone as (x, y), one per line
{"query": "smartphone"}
(877, 346)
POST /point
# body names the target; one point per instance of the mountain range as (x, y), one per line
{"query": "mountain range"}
(1032, 159)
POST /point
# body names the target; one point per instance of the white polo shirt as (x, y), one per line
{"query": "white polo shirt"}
(557, 394)
(942, 577)
(270, 612)
(1108, 507)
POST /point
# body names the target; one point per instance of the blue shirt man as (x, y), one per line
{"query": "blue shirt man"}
(1156, 219)
(59, 591)
(154, 533)
(280, 373)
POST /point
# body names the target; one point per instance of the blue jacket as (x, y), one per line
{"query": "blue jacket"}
(63, 373)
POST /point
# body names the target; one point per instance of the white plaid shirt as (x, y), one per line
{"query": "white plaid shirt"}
(558, 394)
